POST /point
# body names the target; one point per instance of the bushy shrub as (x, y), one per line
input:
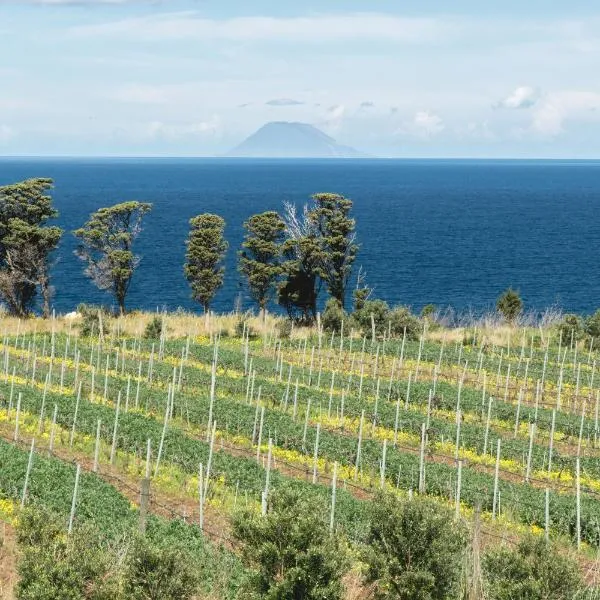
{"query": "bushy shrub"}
(243, 325)
(94, 319)
(532, 571)
(510, 305)
(333, 315)
(592, 325)
(153, 329)
(380, 311)
(415, 550)
(284, 328)
(570, 328)
(428, 311)
(400, 319)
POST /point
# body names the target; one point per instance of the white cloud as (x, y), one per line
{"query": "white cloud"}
(171, 131)
(318, 28)
(557, 108)
(427, 125)
(522, 97)
(6, 134)
(283, 102)
(136, 93)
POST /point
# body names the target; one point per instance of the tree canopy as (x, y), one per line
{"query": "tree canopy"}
(106, 245)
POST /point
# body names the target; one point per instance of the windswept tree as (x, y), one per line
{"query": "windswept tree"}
(206, 249)
(510, 305)
(303, 265)
(336, 230)
(26, 244)
(260, 257)
(106, 245)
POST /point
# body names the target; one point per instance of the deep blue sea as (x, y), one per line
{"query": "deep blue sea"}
(449, 232)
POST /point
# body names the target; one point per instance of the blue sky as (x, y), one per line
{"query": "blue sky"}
(392, 78)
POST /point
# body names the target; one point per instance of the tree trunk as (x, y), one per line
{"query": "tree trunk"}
(46, 295)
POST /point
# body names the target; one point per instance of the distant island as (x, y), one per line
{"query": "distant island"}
(283, 139)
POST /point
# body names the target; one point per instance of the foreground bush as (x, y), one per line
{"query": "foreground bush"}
(291, 550)
(532, 571)
(415, 550)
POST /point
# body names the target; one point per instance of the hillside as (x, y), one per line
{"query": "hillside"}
(282, 139)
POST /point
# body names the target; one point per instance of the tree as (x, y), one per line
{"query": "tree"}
(303, 266)
(260, 257)
(26, 244)
(510, 305)
(206, 249)
(107, 246)
(291, 549)
(415, 550)
(335, 228)
(532, 571)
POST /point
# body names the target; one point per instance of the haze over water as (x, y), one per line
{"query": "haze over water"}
(453, 233)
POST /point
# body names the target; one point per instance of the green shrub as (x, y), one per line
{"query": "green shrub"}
(153, 329)
(284, 328)
(361, 318)
(94, 319)
(532, 571)
(592, 325)
(571, 328)
(400, 318)
(510, 305)
(415, 550)
(291, 550)
(333, 315)
(244, 325)
(428, 311)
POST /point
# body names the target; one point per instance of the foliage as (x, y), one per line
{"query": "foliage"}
(259, 259)
(380, 313)
(26, 244)
(53, 565)
(106, 245)
(94, 320)
(330, 215)
(160, 571)
(333, 316)
(428, 311)
(401, 319)
(592, 325)
(532, 571)
(510, 305)
(415, 550)
(153, 329)
(571, 329)
(291, 549)
(303, 266)
(284, 328)
(206, 249)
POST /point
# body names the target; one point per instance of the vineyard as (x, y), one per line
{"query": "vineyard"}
(177, 433)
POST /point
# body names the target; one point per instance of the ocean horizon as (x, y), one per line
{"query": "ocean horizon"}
(452, 232)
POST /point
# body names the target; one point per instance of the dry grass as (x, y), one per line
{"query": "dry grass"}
(8, 570)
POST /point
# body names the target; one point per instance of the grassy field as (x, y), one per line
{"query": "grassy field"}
(498, 422)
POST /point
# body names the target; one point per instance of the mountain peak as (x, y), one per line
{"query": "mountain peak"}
(292, 139)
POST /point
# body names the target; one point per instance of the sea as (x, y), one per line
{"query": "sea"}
(454, 233)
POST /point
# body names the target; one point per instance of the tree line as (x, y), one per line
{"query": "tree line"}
(287, 257)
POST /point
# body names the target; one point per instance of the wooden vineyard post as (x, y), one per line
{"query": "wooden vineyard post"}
(487, 426)
(144, 503)
(265, 494)
(408, 391)
(162, 438)
(72, 436)
(201, 496)
(305, 425)
(148, 457)
(113, 448)
(74, 500)
(360, 434)
(382, 467)
(27, 473)
(52, 430)
(578, 498)
(547, 516)
(41, 421)
(551, 441)
(316, 453)
(457, 441)
(496, 476)
(333, 492)
(530, 452)
(458, 486)
(422, 460)
(260, 430)
(97, 446)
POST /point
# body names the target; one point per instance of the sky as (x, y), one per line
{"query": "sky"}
(392, 78)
